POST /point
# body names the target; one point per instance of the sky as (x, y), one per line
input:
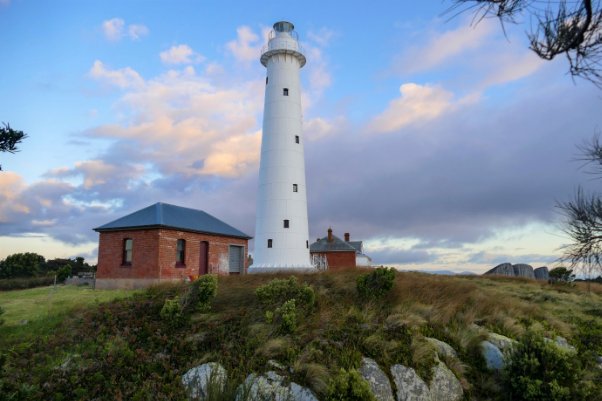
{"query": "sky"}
(440, 142)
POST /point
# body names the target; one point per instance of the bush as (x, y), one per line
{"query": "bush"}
(63, 273)
(200, 293)
(24, 283)
(540, 371)
(1, 320)
(376, 283)
(278, 291)
(287, 315)
(349, 386)
(172, 311)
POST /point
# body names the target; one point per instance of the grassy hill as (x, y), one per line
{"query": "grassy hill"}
(84, 348)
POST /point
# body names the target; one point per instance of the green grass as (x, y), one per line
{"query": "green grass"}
(36, 311)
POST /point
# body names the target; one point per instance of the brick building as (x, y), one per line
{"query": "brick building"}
(164, 242)
(339, 253)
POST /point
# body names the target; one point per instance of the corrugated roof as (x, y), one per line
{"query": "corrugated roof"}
(357, 245)
(171, 216)
(337, 245)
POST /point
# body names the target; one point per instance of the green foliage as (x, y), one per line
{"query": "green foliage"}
(287, 316)
(21, 265)
(25, 282)
(540, 371)
(200, 293)
(1, 320)
(561, 275)
(63, 273)
(349, 386)
(172, 311)
(376, 283)
(9, 139)
(278, 291)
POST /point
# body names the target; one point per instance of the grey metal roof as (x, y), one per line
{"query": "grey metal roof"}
(164, 215)
(357, 245)
(337, 245)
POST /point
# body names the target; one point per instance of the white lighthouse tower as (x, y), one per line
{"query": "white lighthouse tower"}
(281, 232)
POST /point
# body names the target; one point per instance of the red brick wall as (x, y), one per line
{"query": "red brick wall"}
(144, 254)
(154, 254)
(337, 260)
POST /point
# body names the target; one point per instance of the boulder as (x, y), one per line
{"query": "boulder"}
(445, 386)
(494, 358)
(517, 270)
(563, 344)
(523, 270)
(410, 387)
(197, 379)
(444, 350)
(542, 273)
(271, 386)
(504, 343)
(377, 379)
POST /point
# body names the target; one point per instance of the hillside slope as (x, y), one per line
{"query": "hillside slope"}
(127, 350)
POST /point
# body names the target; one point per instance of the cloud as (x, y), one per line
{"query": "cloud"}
(137, 31)
(417, 104)
(180, 54)
(322, 37)
(115, 29)
(122, 78)
(247, 46)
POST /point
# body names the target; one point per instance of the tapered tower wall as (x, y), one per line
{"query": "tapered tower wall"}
(281, 231)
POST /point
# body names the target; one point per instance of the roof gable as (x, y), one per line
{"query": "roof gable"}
(336, 245)
(171, 216)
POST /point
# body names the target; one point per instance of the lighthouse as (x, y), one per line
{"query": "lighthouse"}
(281, 230)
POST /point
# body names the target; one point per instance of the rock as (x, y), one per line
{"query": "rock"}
(197, 379)
(504, 343)
(599, 361)
(410, 387)
(275, 365)
(517, 270)
(563, 344)
(377, 379)
(542, 273)
(444, 350)
(504, 269)
(271, 386)
(444, 385)
(494, 358)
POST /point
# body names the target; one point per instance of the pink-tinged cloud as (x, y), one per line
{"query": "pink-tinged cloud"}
(121, 78)
(11, 186)
(247, 45)
(137, 31)
(180, 54)
(113, 29)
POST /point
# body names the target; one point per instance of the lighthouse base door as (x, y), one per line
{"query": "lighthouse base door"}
(236, 259)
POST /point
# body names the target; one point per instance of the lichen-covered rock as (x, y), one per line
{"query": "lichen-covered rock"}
(197, 379)
(542, 273)
(377, 379)
(410, 387)
(494, 358)
(444, 350)
(503, 269)
(517, 270)
(444, 385)
(562, 343)
(523, 270)
(504, 343)
(271, 387)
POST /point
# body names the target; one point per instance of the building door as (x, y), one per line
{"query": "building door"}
(236, 259)
(204, 258)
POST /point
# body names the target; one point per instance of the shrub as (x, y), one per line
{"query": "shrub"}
(200, 293)
(278, 291)
(63, 273)
(539, 370)
(1, 320)
(349, 386)
(25, 282)
(376, 283)
(287, 315)
(172, 311)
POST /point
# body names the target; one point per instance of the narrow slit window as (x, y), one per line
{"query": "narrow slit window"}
(286, 223)
(296, 138)
(295, 188)
(266, 80)
(128, 244)
(180, 252)
(270, 243)
(307, 244)
(285, 91)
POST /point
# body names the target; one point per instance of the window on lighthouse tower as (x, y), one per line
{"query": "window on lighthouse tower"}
(285, 92)
(296, 138)
(270, 243)
(286, 223)
(295, 188)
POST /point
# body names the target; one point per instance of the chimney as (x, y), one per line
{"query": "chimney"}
(346, 237)
(329, 234)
